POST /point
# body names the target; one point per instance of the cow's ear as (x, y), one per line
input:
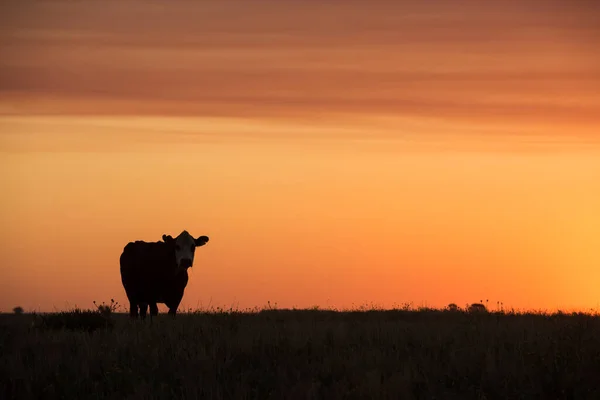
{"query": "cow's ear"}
(167, 238)
(201, 241)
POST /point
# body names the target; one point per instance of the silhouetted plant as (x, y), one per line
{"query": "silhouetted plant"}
(76, 320)
(477, 308)
(18, 310)
(107, 309)
(453, 307)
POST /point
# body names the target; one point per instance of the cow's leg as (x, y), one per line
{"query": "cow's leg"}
(143, 310)
(172, 308)
(153, 310)
(133, 310)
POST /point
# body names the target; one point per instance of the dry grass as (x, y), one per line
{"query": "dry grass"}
(307, 354)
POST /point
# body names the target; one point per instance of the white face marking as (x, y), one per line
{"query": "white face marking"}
(185, 247)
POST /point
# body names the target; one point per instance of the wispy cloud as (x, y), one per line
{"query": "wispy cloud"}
(515, 63)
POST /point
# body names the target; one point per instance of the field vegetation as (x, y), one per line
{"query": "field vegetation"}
(406, 353)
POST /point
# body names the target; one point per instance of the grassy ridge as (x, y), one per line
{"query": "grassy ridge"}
(305, 354)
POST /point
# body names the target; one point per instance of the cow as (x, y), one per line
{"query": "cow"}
(156, 272)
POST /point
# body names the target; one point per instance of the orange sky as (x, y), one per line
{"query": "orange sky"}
(336, 153)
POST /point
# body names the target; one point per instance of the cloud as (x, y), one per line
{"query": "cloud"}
(404, 60)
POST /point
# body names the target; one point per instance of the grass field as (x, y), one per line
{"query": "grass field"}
(304, 354)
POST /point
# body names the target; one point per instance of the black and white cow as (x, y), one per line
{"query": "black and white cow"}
(156, 272)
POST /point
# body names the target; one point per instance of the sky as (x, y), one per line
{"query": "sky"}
(337, 154)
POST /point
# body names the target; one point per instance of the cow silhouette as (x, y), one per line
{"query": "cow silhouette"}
(156, 272)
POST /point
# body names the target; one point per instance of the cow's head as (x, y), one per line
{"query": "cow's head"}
(185, 246)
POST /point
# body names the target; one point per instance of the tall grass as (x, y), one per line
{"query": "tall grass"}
(307, 354)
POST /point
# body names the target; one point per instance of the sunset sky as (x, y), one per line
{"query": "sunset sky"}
(337, 153)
